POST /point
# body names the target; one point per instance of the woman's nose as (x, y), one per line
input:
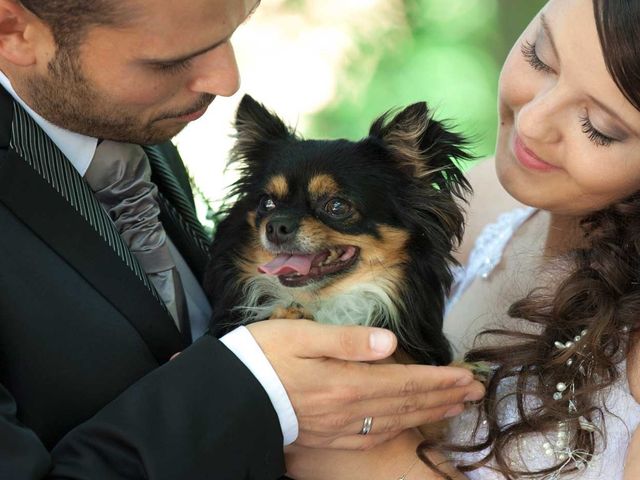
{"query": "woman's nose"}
(541, 119)
(216, 72)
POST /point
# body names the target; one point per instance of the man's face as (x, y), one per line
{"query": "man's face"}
(144, 81)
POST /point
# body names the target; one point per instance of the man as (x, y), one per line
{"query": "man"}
(86, 333)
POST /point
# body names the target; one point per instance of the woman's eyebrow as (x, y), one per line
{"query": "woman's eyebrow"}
(612, 113)
(547, 31)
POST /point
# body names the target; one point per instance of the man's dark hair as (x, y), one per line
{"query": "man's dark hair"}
(69, 20)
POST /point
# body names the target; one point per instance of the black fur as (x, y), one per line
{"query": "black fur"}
(402, 175)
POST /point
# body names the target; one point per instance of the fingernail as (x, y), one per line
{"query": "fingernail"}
(454, 412)
(381, 341)
(464, 381)
(474, 396)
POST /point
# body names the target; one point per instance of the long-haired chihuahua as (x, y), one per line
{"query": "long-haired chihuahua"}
(342, 232)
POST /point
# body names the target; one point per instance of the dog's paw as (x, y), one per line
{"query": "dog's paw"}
(294, 311)
(481, 370)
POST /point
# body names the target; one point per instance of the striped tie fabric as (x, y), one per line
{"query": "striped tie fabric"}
(120, 177)
(175, 203)
(37, 149)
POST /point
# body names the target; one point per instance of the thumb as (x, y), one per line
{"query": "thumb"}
(353, 343)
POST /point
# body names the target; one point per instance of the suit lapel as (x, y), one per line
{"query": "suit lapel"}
(41, 187)
(178, 211)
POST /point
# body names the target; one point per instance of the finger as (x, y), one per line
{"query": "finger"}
(352, 343)
(350, 442)
(369, 381)
(316, 340)
(383, 424)
(398, 423)
(425, 408)
(418, 403)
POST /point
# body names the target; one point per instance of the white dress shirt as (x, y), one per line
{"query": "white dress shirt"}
(80, 149)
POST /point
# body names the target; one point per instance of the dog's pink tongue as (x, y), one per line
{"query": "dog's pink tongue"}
(286, 264)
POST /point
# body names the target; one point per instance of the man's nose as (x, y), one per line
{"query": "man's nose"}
(217, 72)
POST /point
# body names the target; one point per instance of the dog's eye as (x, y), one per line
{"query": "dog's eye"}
(337, 207)
(267, 204)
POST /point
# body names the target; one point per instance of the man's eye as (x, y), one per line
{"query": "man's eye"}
(267, 204)
(173, 67)
(338, 207)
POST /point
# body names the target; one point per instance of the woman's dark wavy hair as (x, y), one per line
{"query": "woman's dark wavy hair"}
(600, 293)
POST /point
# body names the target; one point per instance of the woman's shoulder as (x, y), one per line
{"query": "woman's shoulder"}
(488, 201)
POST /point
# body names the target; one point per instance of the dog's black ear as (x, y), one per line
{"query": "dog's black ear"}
(429, 152)
(423, 147)
(255, 126)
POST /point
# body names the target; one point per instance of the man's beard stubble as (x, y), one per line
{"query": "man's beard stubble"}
(66, 98)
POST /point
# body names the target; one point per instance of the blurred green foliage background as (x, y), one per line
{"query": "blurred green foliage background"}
(448, 53)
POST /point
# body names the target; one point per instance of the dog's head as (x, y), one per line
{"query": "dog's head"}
(328, 215)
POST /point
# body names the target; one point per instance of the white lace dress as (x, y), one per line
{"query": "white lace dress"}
(621, 412)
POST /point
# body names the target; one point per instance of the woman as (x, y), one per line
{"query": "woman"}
(562, 401)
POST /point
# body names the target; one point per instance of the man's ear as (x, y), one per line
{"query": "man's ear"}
(20, 32)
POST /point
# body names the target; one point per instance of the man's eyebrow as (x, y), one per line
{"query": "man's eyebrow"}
(183, 58)
(547, 31)
(189, 56)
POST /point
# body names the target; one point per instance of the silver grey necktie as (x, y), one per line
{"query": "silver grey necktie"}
(120, 177)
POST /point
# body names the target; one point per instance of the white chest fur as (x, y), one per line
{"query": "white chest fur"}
(363, 304)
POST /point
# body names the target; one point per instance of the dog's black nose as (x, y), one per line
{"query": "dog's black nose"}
(282, 229)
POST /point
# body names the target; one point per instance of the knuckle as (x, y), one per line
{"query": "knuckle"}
(454, 397)
(323, 442)
(314, 442)
(346, 394)
(367, 443)
(313, 425)
(409, 405)
(347, 343)
(391, 424)
(410, 387)
(336, 423)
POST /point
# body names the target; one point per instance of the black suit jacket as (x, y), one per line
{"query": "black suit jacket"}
(87, 390)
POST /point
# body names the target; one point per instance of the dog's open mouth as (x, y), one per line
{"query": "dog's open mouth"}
(300, 269)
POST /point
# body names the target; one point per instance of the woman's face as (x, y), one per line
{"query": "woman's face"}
(569, 140)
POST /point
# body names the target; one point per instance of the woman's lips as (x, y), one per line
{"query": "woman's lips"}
(529, 159)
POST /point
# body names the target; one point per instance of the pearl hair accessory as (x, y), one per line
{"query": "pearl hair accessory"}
(566, 391)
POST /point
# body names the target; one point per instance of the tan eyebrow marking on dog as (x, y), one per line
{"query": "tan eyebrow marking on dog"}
(322, 185)
(278, 187)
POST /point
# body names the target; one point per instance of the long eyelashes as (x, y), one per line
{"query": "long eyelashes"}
(528, 50)
(594, 135)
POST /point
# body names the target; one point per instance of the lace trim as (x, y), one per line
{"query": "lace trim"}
(487, 251)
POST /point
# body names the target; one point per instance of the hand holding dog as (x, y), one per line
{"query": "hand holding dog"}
(332, 390)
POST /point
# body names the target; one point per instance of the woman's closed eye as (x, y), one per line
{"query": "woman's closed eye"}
(598, 138)
(528, 50)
